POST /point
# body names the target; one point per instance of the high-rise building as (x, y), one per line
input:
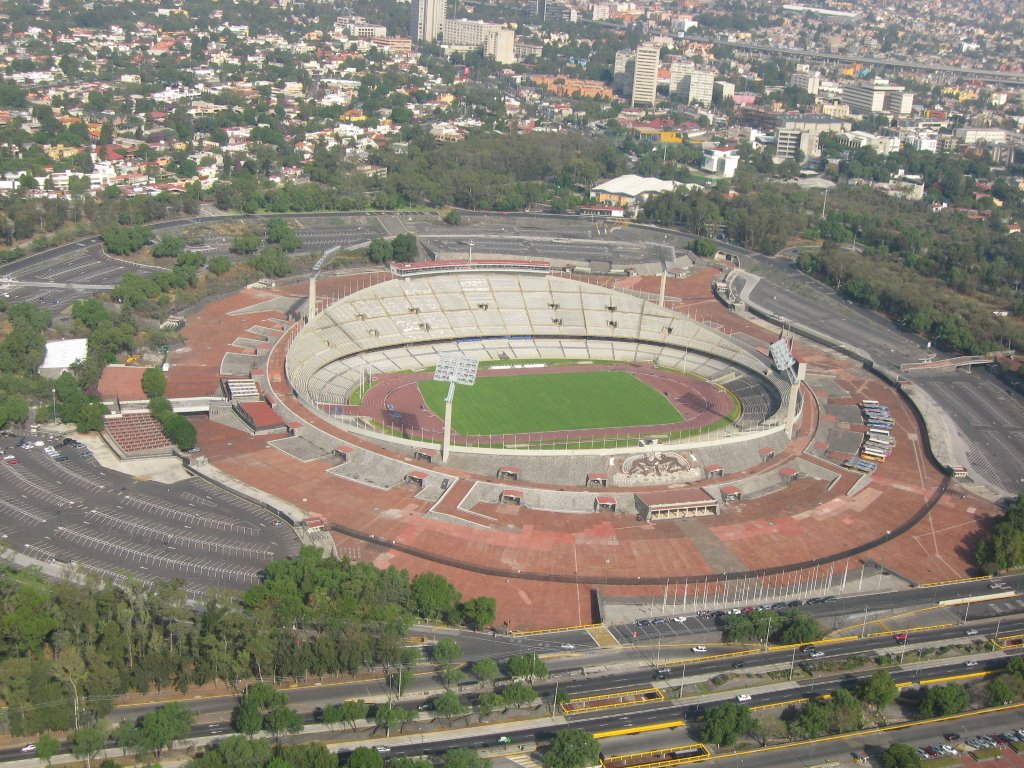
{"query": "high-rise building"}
(495, 40)
(541, 9)
(698, 87)
(427, 18)
(645, 74)
(878, 97)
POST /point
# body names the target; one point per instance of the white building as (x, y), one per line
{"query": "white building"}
(883, 145)
(721, 161)
(645, 74)
(878, 97)
(698, 87)
(807, 80)
(495, 40)
(922, 141)
(427, 18)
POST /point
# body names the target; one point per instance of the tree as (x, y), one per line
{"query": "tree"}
(69, 666)
(463, 757)
(218, 265)
(479, 612)
(348, 711)
(528, 666)
(160, 728)
(572, 748)
(434, 595)
(944, 700)
(452, 676)
(901, 756)
(87, 742)
(169, 247)
(282, 720)
(449, 706)
(726, 722)
(845, 711)
(403, 247)
(518, 694)
(380, 251)
(47, 747)
(703, 247)
(452, 218)
(487, 702)
(879, 690)
(999, 692)
(445, 651)
(364, 757)
(486, 670)
(154, 382)
(811, 721)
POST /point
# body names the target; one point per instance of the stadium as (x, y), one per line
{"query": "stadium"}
(567, 368)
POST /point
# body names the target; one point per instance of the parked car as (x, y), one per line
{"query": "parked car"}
(699, 649)
(743, 697)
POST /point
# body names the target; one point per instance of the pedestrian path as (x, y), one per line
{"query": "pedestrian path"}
(603, 637)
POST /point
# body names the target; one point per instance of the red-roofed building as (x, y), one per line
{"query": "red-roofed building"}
(260, 417)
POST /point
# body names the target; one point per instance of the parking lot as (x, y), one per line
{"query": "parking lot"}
(990, 417)
(59, 276)
(74, 513)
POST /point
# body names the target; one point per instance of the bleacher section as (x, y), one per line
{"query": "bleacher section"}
(136, 435)
(241, 390)
(405, 324)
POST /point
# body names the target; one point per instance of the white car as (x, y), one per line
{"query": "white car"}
(383, 750)
(29, 748)
(817, 654)
(743, 697)
(699, 649)
(970, 663)
(567, 647)
(679, 619)
(971, 632)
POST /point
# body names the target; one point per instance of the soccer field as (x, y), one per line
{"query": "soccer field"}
(551, 402)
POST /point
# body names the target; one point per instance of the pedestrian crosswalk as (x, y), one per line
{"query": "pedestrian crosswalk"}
(524, 760)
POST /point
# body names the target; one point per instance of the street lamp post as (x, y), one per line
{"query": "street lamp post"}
(53, 392)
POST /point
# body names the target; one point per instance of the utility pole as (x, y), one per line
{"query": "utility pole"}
(864, 623)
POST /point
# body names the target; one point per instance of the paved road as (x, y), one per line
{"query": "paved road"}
(983, 413)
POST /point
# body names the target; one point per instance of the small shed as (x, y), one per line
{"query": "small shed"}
(416, 477)
(714, 470)
(789, 474)
(511, 496)
(509, 473)
(344, 452)
(597, 479)
(313, 523)
(426, 455)
(731, 493)
(766, 454)
(604, 504)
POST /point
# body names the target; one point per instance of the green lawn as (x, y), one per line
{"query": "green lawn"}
(551, 402)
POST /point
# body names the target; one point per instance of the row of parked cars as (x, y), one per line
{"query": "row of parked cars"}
(997, 740)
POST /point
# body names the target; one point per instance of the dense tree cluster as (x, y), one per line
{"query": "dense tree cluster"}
(1004, 546)
(787, 627)
(937, 274)
(68, 651)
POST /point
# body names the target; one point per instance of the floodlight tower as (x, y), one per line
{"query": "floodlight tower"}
(313, 275)
(455, 369)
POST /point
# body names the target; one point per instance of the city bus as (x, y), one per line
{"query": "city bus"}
(885, 448)
(869, 403)
(879, 432)
(873, 456)
(881, 423)
(861, 465)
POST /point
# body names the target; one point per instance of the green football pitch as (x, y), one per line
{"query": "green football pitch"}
(551, 402)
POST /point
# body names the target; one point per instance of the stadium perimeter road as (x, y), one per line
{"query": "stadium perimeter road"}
(986, 415)
(78, 515)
